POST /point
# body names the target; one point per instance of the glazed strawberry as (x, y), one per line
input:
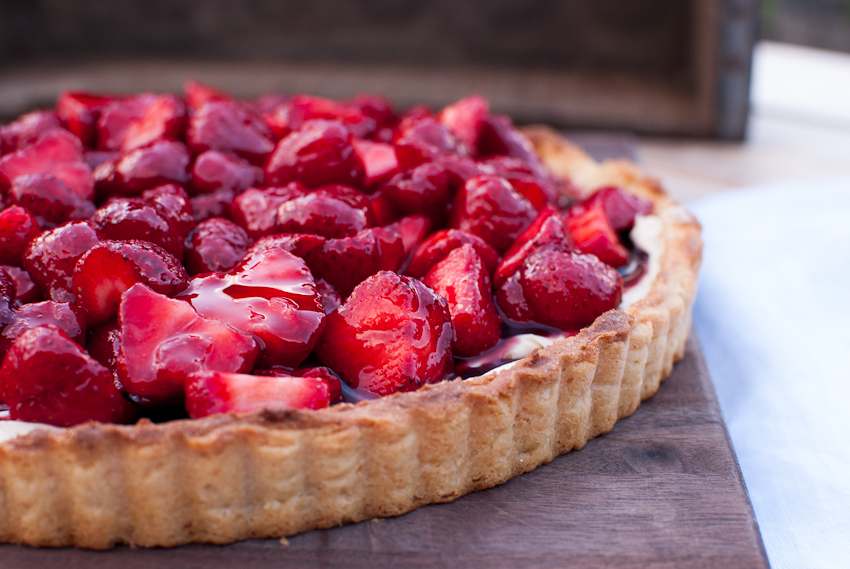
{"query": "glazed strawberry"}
(462, 279)
(208, 393)
(321, 372)
(216, 204)
(26, 130)
(345, 262)
(379, 161)
(299, 244)
(421, 190)
(135, 122)
(379, 109)
(412, 230)
(382, 207)
(26, 290)
(163, 162)
(214, 170)
(564, 289)
(466, 118)
(320, 153)
(197, 94)
(256, 208)
(57, 153)
(104, 343)
(330, 211)
(111, 267)
(51, 257)
(134, 218)
(164, 341)
(17, 228)
(8, 292)
(489, 207)
(216, 244)
(547, 229)
(392, 334)
(292, 114)
(95, 158)
(64, 316)
(79, 112)
(47, 378)
(425, 140)
(438, 245)
(50, 200)
(620, 206)
(270, 295)
(499, 137)
(229, 126)
(593, 234)
(331, 299)
(172, 202)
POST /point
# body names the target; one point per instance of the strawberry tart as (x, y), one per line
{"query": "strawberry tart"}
(224, 319)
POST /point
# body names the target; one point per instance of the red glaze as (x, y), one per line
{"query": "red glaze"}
(489, 207)
(47, 378)
(216, 204)
(438, 245)
(229, 126)
(57, 153)
(164, 341)
(272, 296)
(462, 279)
(163, 162)
(67, 317)
(111, 267)
(103, 344)
(422, 190)
(256, 209)
(330, 211)
(560, 288)
(135, 218)
(318, 154)
(214, 170)
(26, 290)
(135, 122)
(620, 206)
(547, 229)
(593, 234)
(51, 257)
(379, 161)
(216, 244)
(392, 334)
(347, 261)
(17, 228)
(211, 392)
(79, 112)
(26, 130)
(50, 200)
(466, 118)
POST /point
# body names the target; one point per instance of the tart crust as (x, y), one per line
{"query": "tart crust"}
(273, 474)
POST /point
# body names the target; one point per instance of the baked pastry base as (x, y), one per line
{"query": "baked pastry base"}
(271, 474)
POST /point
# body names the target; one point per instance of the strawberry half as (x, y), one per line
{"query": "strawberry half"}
(466, 118)
(593, 234)
(134, 122)
(212, 392)
(422, 190)
(47, 378)
(255, 209)
(620, 206)
(412, 230)
(229, 126)
(213, 170)
(26, 290)
(547, 229)
(66, 317)
(79, 112)
(438, 245)
(462, 279)
(164, 341)
(51, 257)
(50, 200)
(109, 268)
(379, 161)
(392, 334)
(330, 211)
(17, 228)
(26, 130)
(163, 162)
(321, 372)
(216, 244)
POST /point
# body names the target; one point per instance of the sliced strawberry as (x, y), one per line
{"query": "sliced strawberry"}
(295, 112)
(299, 244)
(47, 378)
(255, 209)
(547, 229)
(330, 211)
(135, 122)
(593, 234)
(18, 228)
(438, 245)
(172, 203)
(229, 126)
(163, 162)
(111, 267)
(57, 153)
(382, 207)
(461, 169)
(214, 170)
(26, 290)
(466, 118)
(499, 137)
(462, 279)
(564, 289)
(50, 200)
(272, 296)
(95, 158)
(209, 392)
(65, 316)
(197, 94)
(117, 116)
(620, 206)
(320, 153)
(51, 257)
(392, 334)
(134, 218)
(216, 244)
(331, 299)
(104, 344)
(324, 373)
(79, 112)
(426, 140)
(164, 341)
(379, 161)
(216, 204)
(26, 130)
(421, 190)
(8, 292)
(489, 207)
(380, 109)
(345, 262)
(412, 230)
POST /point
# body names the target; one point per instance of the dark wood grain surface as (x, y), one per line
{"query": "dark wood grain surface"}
(662, 489)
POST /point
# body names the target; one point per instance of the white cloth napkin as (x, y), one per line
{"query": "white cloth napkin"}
(773, 317)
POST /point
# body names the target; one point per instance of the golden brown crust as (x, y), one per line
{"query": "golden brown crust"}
(272, 474)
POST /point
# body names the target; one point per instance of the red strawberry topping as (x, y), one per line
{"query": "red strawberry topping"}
(163, 162)
(214, 170)
(26, 290)
(392, 334)
(422, 190)
(229, 126)
(79, 113)
(466, 118)
(17, 228)
(547, 229)
(63, 315)
(593, 234)
(26, 130)
(256, 209)
(379, 161)
(324, 373)
(299, 244)
(135, 122)
(620, 206)
(47, 378)
(438, 245)
(135, 218)
(216, 204)
(425, 140)
(51, 257)
(216, 244)
(412, 230)
(197, 94)
(331, 211)
(50, 200)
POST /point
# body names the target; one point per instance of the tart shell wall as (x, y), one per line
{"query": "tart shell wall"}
(272, 474)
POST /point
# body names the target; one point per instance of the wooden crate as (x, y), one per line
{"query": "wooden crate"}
(650, 66)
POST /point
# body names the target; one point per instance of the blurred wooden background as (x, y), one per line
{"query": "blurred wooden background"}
(677, 67)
